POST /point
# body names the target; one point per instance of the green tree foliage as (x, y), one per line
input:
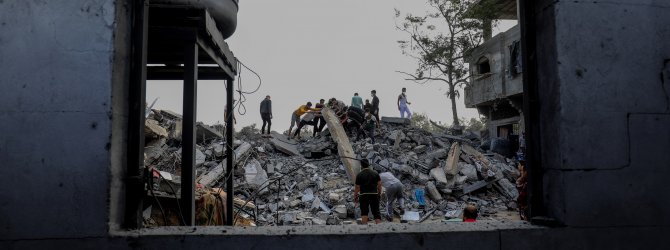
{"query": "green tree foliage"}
(421, 120)
(439, 40)
(473, 124)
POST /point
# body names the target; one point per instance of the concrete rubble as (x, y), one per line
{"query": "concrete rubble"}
(304, 182)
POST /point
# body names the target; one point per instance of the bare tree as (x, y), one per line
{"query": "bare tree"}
(439, 40)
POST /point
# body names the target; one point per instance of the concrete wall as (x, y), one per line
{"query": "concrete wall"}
(605, 111)
(605, 117)
(498, 84)
(56, 59)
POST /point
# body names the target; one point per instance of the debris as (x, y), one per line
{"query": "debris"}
(432, 192)
(153, 130)
(411, 216)
(282, 143)
(396, 120)
(215, 174)
(344, 148)
(205, 133)
(302, 182)
(451, 165)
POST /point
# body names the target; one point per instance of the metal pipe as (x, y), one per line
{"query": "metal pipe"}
(229, 151)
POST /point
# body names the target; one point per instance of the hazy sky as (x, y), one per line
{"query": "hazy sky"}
(306, 50)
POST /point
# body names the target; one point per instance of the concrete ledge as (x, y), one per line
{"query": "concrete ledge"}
(340, 230)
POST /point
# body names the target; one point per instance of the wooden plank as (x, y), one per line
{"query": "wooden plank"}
(215, 174)
(344, 148)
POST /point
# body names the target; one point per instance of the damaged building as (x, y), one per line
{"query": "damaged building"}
(496, 86)
(597, 139)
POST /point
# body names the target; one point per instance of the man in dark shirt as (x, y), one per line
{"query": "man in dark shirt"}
(320, 121)
(375, 105)
(369, 188)
(266, 114)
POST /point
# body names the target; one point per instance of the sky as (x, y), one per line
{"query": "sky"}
(306, 50)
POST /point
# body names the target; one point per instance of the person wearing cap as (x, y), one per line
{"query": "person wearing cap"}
(266, 114)
(295, 116)
(367, 191)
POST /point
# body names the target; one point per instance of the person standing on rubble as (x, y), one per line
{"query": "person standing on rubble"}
(367, 191)
(357, 101)
(307, 119)
(320, 122)
(403, 105)
(375, 105)
(394, 191)
(266, 114)
(295, 116)
(368, 106)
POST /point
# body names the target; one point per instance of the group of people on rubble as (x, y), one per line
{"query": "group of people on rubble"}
(362, 118)
(356, 118)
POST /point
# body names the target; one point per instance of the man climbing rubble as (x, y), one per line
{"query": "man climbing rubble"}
(368, 128)
(295, 116)
(369, 188)
(394, 191)
(319, 121)
(307, 119)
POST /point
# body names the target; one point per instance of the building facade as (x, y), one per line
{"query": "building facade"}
(496, 88)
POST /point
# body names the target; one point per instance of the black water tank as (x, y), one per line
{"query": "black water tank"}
(224, 12)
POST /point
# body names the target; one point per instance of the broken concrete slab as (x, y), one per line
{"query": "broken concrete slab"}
(210, 177)
(283, 144)
(476, 186)
(451, 165)
(439, 176)
(256, 176)
(205, 133)
(340, 211)
(468, 170)
(152, 129)
(507, 188)
(396, 120)
(344, 149)
(433, 192)
(199, 158)
(436, 154)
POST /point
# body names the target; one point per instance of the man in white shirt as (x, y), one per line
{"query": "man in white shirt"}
(394, 190)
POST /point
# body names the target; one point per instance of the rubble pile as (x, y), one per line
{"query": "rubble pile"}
(288, 182)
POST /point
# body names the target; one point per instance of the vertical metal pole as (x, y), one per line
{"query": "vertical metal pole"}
(136, 99)
(229, 151)
(188, 136)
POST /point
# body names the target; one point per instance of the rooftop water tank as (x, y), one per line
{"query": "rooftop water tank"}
(224, 12)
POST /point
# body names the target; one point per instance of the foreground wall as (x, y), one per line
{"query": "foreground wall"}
(605, 137)
(605, 111)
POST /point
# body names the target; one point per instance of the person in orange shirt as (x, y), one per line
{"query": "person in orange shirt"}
(295, 117)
